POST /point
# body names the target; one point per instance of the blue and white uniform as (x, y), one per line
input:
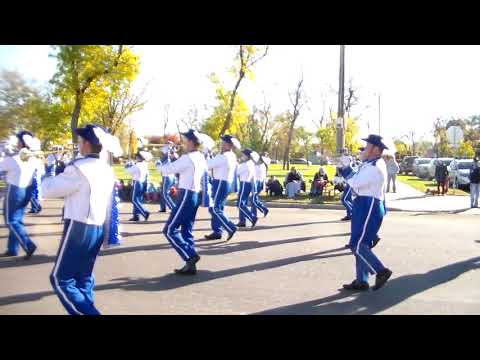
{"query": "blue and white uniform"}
(139, 172)
(51, 165)
(167, 182)
(368, 187)
(223, 171)
(19, 178)
(86, 185)
(246, 173)
(260, 177)
(191, 168)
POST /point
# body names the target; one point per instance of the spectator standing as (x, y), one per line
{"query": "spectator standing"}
(441, 176)
(392, 171)
(474, 184)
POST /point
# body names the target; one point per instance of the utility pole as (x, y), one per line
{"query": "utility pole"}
(341, 84)
(379, 114)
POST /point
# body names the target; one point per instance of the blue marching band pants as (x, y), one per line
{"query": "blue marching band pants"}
(72, 276)
(346, 199)
(256, 202)
(15, 202)
(179, 226)
(244, 211)
(165, 197)
(138, 193)
(368, 216)
(220, 191)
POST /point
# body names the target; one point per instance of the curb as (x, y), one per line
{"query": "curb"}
(341, 207)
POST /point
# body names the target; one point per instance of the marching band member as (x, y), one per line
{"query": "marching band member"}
(139, 173)
(86, 184)
(368, 211)
(223, 171)
(168, 181)
(261, 175)
(246, 173)
(51, 164)
(20, 169)
(346, 197)
(191, 168)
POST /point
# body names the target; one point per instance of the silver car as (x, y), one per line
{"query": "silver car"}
(420, 167)
(459, 172)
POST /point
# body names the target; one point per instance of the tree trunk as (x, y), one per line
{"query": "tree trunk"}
(286, 157)
(228, 118)
(75, 117)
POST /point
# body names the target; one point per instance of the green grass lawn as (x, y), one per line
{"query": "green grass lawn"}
(422, 184)
(276, 170)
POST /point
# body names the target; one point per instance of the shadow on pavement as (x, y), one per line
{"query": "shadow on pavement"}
(396, 291)
(33, 236)
(172, 281)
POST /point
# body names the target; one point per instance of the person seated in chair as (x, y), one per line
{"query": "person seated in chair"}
(294, 182)
(274, 188)
(320, 180)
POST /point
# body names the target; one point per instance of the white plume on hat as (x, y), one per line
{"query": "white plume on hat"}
(32, 143)
(206, 141)
(254, 156)
(109, 142)
(266, 160)
(236, 143)
(146, 155)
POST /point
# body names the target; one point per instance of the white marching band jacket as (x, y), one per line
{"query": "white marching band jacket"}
(139, 171)
(370, 179)
(191, 168)
(246, 171)
(87, 186)
(223, 166)
(19, 172)
(261, 172)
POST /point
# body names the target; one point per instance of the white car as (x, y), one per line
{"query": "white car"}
(433, 164)
(459, 172)
(420, 167)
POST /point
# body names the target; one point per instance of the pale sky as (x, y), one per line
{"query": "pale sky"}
(417, 83)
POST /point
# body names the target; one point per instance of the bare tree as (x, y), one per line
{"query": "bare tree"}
(265, 113)
(166, 119)
(351, 98)
(297, 101)
(246, 60)
(120, 107)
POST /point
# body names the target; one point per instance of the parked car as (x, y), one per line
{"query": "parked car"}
(433, 163)
(406, 166)
(420, 167)
(459, 172)
(300, 161)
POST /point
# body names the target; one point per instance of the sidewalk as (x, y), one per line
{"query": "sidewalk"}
(409, 199)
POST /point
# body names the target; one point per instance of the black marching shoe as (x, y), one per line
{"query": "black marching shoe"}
(240, 225)
(190, 267)
(348, 246)
(230, 235)
(213, 236)
(254, 222)
(135, 218)
(266, 213)
(346, 218)
(147, 216)
(162, 211)
(375, 242)
(356, 286)
(382, 278)
(30, 253)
